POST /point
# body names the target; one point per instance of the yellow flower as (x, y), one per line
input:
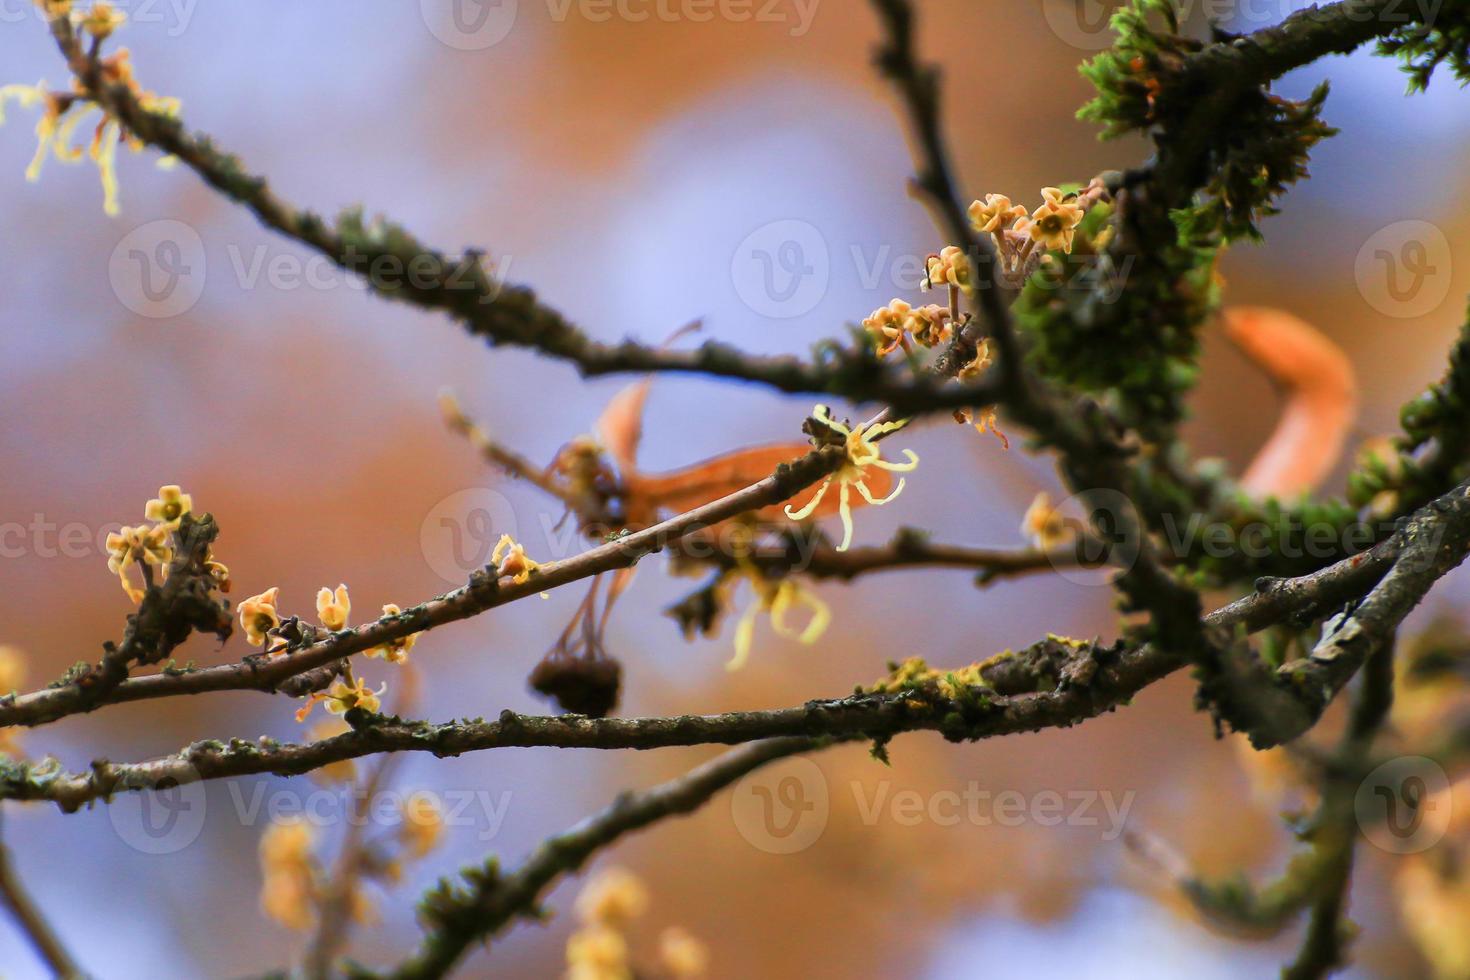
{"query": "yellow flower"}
(258, 616)
(862, 452)
(1055, 222)
(333, 608)
(64, 111)
(1044, 524)
(512, 562)
(614, 898)
(777, 598)
(102, 20)
(133, 545)
(886, 324)
(342, 697)
(342, 771)
(394, 651)
(286, 845)
(423, 823)
(597, 953)
(29, 96)
(169, 506)
(930, 324)
(950, 267)
(288, 871)
(681, 954)
(995, 215)
(12, 669)
(289, 900)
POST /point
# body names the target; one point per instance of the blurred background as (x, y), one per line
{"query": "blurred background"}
(641, 165)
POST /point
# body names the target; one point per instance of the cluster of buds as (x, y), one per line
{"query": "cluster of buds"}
(598, 949)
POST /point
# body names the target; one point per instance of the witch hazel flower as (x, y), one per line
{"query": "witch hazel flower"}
(777, 599)
(344, 695)
(863, 453)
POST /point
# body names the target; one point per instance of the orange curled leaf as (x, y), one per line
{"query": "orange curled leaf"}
(714, 478)
(620, 426)
(1321, 399)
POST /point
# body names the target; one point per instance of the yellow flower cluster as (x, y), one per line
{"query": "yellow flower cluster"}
(862, 453)
(62, 113)
(150, 546)
(598, 950)
(289, 873)
(421, 828)
(260, 617)
(1052, 225)
(892, 326)
(294, 884)
(1022, 240)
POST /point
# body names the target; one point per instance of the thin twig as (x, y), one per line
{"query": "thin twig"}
(27, 915)
(456, 920)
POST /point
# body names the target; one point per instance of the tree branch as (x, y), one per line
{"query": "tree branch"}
(1089, 681)
(457, 918)
(482, 593)
(32, 922)
(459, 285)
